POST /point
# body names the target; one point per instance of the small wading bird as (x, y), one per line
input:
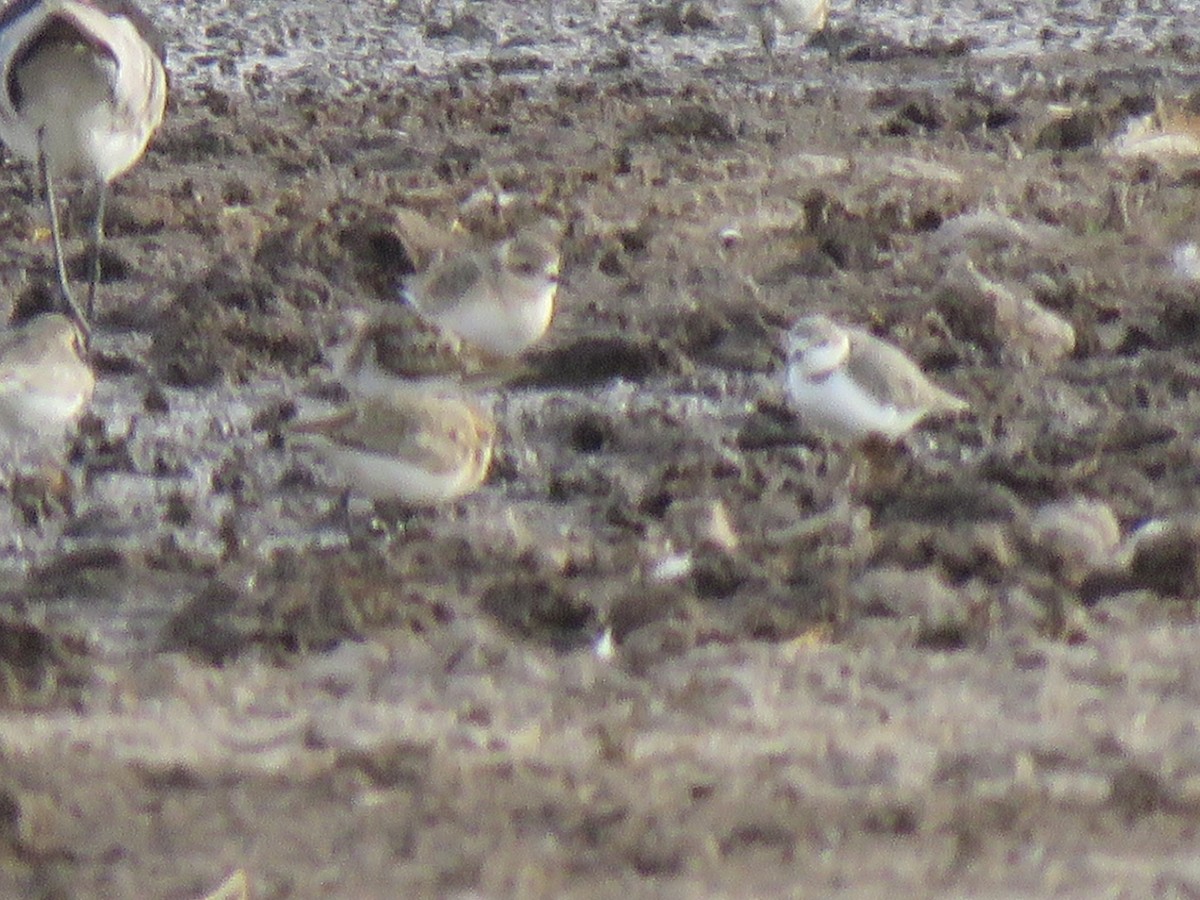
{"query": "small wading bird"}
(810, 16)
(82, 89)
(499, 299)
(397, 347)
(852, 385)
(413, 447)
(44, 383)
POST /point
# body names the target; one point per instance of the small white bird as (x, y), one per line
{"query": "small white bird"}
(809, 16)
(414, 447)
(852, 385)
(499, 299)
(45, 385)
(84, 88)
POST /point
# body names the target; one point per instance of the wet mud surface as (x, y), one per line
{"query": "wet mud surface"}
(676, 646)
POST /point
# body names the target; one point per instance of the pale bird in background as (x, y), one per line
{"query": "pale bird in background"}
(499, 299)
(45, 384)
(84, 88)
(415, 448)
(768, 16)
(851, 385)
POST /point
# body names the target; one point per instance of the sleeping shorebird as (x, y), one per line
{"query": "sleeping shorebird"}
(84, 88)
(499, 299)
(396, 348)
(414, 447)
(809, 16)
(852, 385)
(45, 385)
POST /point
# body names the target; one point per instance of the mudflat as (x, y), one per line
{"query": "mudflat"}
(676, 645)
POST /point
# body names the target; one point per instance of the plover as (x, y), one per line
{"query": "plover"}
(851, 385)
(84, 88)
(500, 299)
(396, 348)
(1078, 536)
(45, 385)
(414, 447)
(809, 16)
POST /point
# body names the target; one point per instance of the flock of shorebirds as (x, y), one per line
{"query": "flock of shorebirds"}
(83, 88)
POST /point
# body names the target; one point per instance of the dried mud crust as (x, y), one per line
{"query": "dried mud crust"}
(200, 674)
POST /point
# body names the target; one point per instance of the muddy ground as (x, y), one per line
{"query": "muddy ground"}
(830, 671)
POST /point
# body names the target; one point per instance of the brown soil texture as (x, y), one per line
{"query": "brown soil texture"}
(876, 676)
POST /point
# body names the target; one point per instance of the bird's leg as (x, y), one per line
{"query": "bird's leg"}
(832, 42)
(768, 36)
(341, 513)
(72, 309)
(97, 243)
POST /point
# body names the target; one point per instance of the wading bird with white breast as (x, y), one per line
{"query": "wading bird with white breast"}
(82, 89)
(45, 384)
(499, 298)
(414, 447)
(808, 16)
(851, 385)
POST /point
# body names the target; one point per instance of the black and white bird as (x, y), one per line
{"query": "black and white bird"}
(82, 89)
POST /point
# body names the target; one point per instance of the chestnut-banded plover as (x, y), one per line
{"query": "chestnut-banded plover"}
(45, 384)
(415, 447)
(851, 385)
(499, 299)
